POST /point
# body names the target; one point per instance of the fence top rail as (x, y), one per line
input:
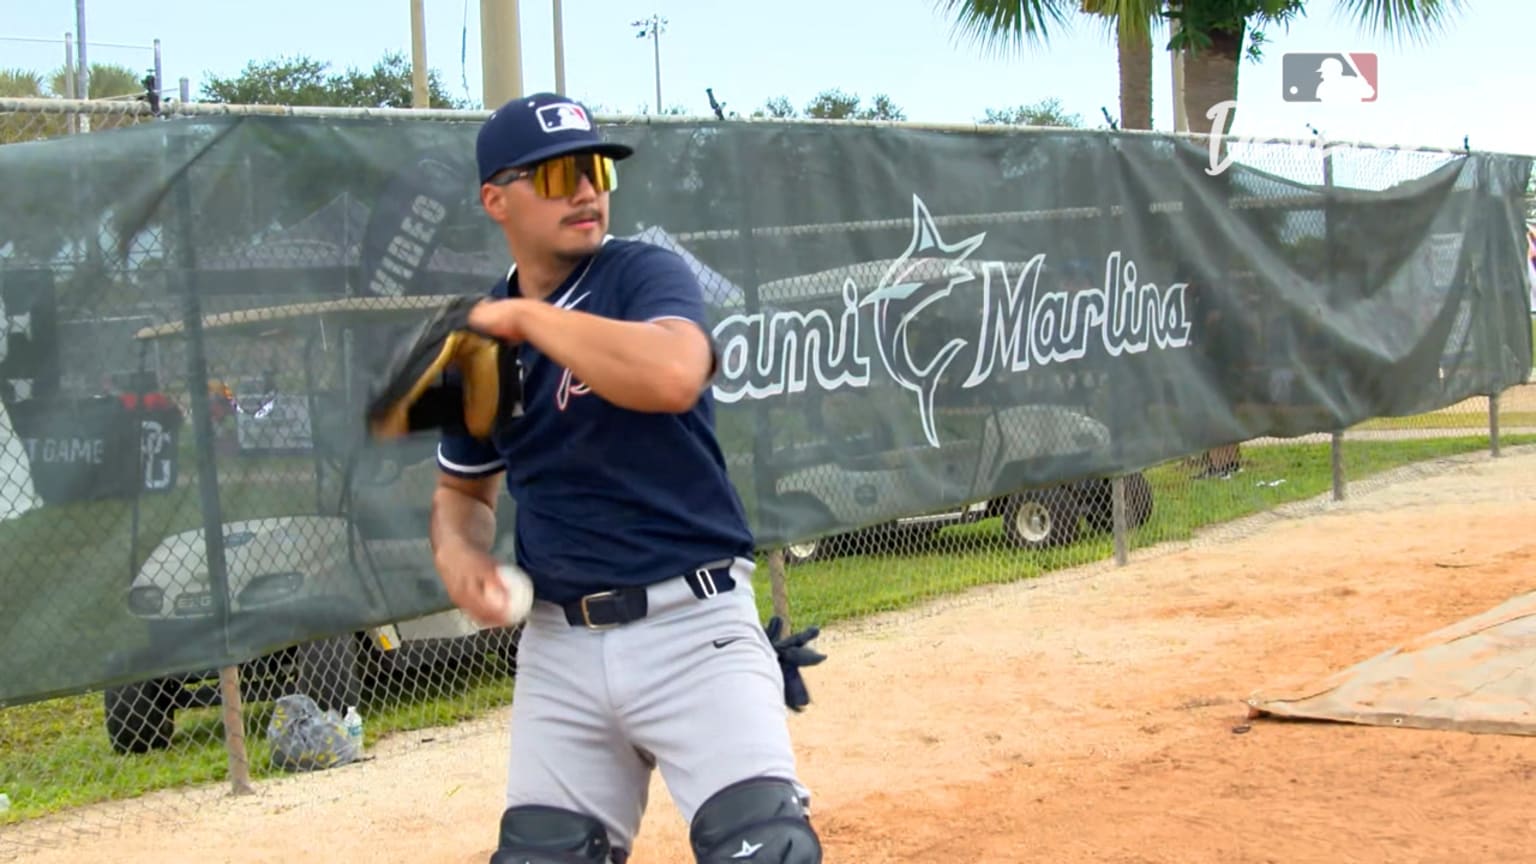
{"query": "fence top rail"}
(217, 109)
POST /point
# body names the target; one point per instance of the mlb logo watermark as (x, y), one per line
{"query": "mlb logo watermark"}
(1330, 78)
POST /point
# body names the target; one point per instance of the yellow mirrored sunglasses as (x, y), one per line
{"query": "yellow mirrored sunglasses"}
(559, 177)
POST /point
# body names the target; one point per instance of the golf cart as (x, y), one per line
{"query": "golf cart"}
(360, 554)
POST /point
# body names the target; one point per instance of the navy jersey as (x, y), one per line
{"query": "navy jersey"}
(606, 496)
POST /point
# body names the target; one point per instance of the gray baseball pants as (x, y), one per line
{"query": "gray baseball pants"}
(694, 688)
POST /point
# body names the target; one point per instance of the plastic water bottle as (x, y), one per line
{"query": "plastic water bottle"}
(353, 723)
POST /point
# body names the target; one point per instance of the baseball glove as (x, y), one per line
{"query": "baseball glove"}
(794, 652)
(446, 376)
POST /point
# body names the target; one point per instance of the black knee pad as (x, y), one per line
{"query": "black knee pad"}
(533, 834)
(761, 821)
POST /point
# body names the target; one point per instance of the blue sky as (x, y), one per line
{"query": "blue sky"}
(1469, 81)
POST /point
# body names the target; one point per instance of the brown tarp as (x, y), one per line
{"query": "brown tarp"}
(1477, 675)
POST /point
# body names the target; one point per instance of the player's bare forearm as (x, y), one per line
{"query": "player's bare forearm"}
(660, 366)
(463, 520)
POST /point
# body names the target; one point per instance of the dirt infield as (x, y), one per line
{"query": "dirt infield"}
(1093, 716)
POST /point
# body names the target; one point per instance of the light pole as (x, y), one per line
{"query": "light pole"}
(419, 91)
(652, 27)
(501, 52)
(559, 50)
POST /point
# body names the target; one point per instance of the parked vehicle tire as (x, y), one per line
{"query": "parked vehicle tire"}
(1138, 504)
(140, 717)
(1041, 518)
(801, 553)
(812, 512)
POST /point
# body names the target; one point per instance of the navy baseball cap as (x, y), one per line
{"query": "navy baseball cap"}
(530, 129)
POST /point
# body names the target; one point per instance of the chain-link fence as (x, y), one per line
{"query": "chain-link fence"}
(167, 403)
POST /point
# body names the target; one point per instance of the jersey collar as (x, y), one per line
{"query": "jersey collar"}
(560, 295)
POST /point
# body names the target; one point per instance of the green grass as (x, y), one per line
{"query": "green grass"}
(55, 754)
(1451, 420)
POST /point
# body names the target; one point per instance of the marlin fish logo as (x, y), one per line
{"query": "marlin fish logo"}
(902, 283)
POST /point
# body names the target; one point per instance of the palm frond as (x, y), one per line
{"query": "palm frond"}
(1401, 20)
(20, 83)
(1131, 20)
(1001, 26)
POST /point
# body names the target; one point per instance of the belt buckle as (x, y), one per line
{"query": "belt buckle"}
(586, 615)
(706, 583)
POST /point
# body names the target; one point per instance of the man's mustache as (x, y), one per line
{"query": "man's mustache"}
(584, 216)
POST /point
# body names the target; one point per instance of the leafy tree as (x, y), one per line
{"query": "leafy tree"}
(302, 80)
(778, 107)
(834, 104)
(1046, 112)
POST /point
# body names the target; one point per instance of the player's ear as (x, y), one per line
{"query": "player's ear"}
(492, 201)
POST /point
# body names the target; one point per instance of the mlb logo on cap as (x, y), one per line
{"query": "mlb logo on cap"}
(529, 129)
(564, 116)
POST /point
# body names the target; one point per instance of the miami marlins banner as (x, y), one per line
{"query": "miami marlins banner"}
(908, 320)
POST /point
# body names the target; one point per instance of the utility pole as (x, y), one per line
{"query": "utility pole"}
(652, 27)
(501, 52)
(559, 51)
(420, 95)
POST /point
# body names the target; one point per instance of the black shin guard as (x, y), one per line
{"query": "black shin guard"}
(531, 834)
(761, 821)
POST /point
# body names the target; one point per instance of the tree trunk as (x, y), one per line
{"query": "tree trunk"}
(1135, 82)
(1210, 79)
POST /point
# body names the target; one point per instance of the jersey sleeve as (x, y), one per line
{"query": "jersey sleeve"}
(664, 287)
(469, 457)
(661, 286)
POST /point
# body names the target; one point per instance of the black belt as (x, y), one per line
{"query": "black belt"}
(606, 609)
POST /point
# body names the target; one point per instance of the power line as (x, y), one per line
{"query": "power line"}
(93, 43)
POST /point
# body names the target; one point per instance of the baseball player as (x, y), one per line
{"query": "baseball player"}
(643, 647)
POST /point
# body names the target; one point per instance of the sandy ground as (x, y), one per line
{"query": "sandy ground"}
(1095, 715)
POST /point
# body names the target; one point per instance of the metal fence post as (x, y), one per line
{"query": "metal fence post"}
(1117, 512)
(1336, 453)
(1336, 440)
(1493, 425)
(780, 585)
(207, 464)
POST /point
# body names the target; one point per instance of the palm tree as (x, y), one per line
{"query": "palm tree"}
(1212, 34)
(21, 126)
(1132, 23)
(105, 81)
(20, 84)
(1004, 25)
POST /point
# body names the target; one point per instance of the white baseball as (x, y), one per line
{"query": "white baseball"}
(519, 593)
